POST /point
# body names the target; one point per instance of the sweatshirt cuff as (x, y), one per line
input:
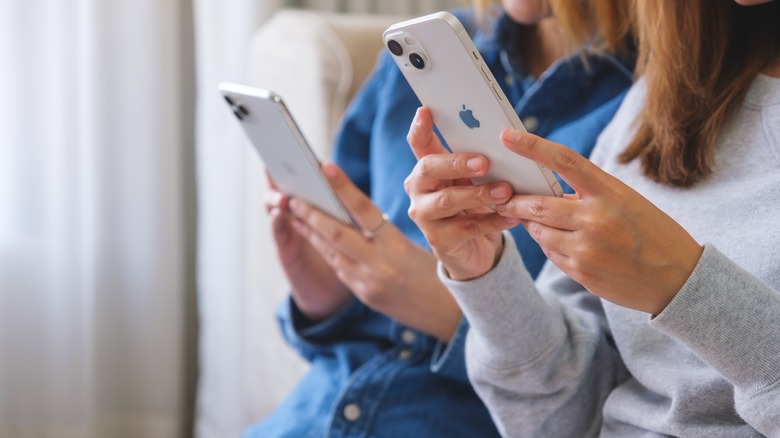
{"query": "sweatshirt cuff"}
(510, 323)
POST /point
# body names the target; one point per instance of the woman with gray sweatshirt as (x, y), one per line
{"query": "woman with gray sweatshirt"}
(659, 310)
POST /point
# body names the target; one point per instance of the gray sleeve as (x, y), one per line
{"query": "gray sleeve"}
(731, 320)
(540, 358)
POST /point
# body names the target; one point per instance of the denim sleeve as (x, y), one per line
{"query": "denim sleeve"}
(354, 321)
(352, 147)
(449, 359)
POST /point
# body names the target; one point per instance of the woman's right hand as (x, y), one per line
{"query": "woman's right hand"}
(316, 289)
(453, 214)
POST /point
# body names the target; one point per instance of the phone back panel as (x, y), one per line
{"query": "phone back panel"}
(282, 147)
(468, 106)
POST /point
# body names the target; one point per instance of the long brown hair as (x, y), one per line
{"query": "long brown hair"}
(605, 24)
(698, 58)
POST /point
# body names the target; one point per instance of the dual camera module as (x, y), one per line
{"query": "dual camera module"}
(414, 58)
(239, 110)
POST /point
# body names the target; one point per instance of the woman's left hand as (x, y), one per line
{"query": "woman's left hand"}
(607, 237)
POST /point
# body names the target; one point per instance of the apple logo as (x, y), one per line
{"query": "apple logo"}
(289, 168)
(468, 118)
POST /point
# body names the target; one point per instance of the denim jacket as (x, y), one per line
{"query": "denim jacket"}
(373, 377)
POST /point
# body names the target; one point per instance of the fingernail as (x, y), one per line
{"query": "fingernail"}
(295, 205)
(510, 136)
(501, 208)
(500, 192)
(329, 171)
(474, 164)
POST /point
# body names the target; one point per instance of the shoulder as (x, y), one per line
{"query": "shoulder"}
(483, 30)
(467, 17)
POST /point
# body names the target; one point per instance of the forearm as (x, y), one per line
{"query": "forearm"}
(729, 318)
(542, 367)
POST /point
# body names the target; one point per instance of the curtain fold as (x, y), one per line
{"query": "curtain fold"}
(94, 198)
(226, 190)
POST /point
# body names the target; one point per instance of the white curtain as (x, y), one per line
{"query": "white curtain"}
(96, 204)
(227, 192)
(98, 220)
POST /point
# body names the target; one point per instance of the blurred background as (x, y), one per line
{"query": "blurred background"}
(137, 277)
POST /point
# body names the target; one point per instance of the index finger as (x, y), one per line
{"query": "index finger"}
(421, 137)
(582, 175)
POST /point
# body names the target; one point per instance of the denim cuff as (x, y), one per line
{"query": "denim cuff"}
(310, 338)
(449, 359)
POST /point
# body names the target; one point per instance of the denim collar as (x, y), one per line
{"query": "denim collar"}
(497, 38)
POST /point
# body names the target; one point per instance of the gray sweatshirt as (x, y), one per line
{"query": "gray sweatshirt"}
(551, 360)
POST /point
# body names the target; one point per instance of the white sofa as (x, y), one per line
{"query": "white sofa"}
(316, 62)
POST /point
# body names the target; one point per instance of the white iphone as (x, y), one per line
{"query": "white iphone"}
(448, 75)
(274, 134)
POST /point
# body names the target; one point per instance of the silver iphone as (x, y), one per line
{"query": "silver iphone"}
(448, 75)
(276, 137)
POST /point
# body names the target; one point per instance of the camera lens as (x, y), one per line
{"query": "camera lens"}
(417, 61)
(395, 47)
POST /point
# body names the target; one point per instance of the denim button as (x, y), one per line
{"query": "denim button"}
(404, 354)
(530, 123)
(408, 336)
(351, 412)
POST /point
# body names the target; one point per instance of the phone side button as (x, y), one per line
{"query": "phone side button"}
(486, 72)
(556, 188)
(497, 91)
(549, 176)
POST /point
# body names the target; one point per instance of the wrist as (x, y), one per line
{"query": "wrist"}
(471, 270)
(319, 308)
(677, 277)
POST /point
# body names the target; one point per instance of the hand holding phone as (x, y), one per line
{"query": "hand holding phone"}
(448, 75)
(276, 137)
